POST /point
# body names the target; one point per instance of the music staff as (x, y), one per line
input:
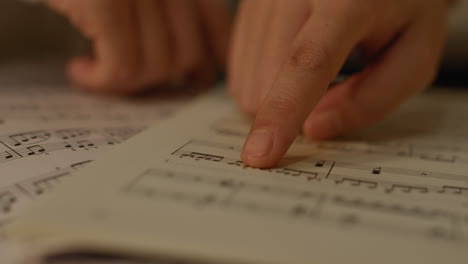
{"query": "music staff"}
(41, 186)
(25, 138)
(315, 206)
(392, 187)
(454, 190)
(344, 173)
(444, 154)
(8, 155)
(406, 188)
(23, 192)
(197, 156)
(47, 148)
(355, 182)
(66, 134)
(202, 156)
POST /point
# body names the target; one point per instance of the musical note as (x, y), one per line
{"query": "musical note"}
(356, 182)
(80, 165)
(377, 171)
(311, 206)
(46, 184)
(320, 163)
(195, 172)
(454, 189)
(406, 188)
(67, 134)
(8, 155)
(237, 163)
(296, 173)
(26, 138)
(35, 150)
(7, 200)
(85, 144)
(202, 156)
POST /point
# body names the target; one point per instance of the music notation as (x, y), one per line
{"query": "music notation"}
(22, 193)
(41, 144)
(448, 153)
(62, 104)
(312, 205)
(7, 199)
(46, 142)
(197, 156)
(387, 179)
(25, 138)
(66, 134)
(46, 127)
(400, 197)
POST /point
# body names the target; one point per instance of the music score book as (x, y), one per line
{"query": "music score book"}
(397, 192)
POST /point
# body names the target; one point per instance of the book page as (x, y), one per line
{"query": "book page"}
(49, 130)
(397, 192)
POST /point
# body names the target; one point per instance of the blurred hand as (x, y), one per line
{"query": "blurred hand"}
(141, 43)
(286, 53)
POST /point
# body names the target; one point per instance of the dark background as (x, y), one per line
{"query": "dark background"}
(32, 32)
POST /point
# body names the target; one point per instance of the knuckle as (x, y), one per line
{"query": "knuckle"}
(310, 56)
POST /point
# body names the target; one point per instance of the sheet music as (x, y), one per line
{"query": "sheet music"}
(48, 131)
(397, 192)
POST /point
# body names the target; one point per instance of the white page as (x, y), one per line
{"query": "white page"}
(49, 130)
(179, 190)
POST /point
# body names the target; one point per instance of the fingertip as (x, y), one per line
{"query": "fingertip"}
(258, 146)
(264, 148)
(80, 71)
(323, 125)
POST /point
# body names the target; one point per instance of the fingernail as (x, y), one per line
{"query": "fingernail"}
(259, 143)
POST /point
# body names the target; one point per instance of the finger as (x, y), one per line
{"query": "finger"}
(287, 20)
(115, 64)
(379, 89)
(186, 34)
(250, 37)
(217, 21)
(58, 5)
(155, 42)
(237, 50)
(318, 53)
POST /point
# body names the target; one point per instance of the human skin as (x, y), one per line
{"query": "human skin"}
(285, 55)
(139, 44)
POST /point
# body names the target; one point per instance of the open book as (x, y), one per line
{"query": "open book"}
(395, 193)
(48, 131)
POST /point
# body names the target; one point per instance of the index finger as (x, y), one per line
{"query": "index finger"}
(317, 55)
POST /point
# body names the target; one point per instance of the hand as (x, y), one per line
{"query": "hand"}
(141, 43)
(286, 53)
